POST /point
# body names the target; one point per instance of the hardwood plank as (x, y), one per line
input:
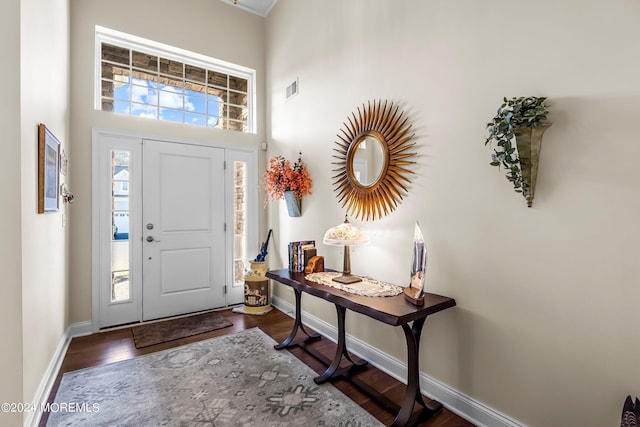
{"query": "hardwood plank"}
(116, 345)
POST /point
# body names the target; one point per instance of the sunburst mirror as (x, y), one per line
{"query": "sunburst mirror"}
(372, 160)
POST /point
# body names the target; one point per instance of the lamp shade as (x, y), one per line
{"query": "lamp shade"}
(345, 234)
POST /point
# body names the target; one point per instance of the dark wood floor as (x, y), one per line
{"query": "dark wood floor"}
(116, 345)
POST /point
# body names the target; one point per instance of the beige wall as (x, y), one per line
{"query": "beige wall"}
(545, 327)
(45, 247)
(547, 296)
(34, 250)
(207, 27)
(45, 244)
(10, 248)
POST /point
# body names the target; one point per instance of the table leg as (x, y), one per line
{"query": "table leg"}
(341, 350)
(413, 394)
(297, 324)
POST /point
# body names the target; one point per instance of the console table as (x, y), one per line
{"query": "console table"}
(395, 311)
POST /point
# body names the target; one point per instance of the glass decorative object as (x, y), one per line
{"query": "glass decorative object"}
(414, 293)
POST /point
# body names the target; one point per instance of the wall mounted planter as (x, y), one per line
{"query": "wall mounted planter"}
(529, 142)
(520, 120)
(294, 204)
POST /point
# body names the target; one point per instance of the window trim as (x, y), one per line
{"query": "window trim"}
(106, 35)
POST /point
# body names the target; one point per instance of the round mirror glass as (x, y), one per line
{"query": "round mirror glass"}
(368, 161)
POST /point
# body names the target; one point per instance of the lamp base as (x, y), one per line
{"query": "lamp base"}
(347, 279)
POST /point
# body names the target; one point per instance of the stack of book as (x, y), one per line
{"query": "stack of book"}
(300, 253)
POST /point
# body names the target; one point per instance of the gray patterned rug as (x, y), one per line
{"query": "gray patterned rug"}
(233, 380)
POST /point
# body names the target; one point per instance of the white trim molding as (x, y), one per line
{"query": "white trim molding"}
(459, 403)
(32, 418)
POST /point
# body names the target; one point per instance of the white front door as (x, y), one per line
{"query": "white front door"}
(191, 264)
(183, 229)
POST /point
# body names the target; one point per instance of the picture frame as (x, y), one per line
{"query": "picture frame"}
(48, 170)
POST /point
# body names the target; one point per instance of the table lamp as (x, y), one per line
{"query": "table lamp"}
(345, 234)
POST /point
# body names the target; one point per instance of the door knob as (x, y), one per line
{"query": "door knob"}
(151, 239)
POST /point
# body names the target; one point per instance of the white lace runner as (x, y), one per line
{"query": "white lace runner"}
(368, 287)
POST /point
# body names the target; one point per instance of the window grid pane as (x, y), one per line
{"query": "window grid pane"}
(171, 90)
(171, 68)
(144, 61)
(115, 54)
(146, 78)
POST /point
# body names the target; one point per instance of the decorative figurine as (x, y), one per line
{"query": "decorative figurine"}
(315, 265)
(414, 293)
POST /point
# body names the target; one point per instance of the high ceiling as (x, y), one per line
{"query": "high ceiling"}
(259, 7)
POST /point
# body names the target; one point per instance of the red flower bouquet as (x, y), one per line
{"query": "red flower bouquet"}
(281, 176)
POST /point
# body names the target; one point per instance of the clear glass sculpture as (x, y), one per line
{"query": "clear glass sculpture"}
(415, 291)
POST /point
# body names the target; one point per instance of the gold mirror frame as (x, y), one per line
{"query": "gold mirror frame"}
(387, 125)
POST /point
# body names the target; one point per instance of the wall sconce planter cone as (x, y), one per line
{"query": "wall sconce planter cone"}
(284, 180)
(529, 142)
(521, 119)
(294, 204)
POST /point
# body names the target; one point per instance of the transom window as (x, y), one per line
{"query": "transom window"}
(146, 79)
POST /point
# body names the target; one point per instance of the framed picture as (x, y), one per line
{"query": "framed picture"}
(48, 170)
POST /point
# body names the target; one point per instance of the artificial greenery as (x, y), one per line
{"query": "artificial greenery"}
(514, 113)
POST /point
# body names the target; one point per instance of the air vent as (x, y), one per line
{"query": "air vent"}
(292, 89)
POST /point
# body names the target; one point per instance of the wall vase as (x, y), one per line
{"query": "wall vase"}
(529, 142)
(294, 204)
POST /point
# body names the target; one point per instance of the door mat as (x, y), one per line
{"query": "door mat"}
(174, 329)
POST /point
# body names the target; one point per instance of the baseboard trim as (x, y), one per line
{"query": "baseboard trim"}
(80, 329)
(457, 402)
(32, 419)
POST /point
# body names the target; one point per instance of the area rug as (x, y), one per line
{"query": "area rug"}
(174, 329)
(232, 380)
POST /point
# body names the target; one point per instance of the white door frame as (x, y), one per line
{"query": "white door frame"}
(129, 311)
(104, 140)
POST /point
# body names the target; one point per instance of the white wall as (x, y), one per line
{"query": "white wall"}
(545, 327)
(34, 249)
(10, 248)
(207, 27)
(44, 88)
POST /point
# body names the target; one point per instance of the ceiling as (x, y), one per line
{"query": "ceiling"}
(259, 7)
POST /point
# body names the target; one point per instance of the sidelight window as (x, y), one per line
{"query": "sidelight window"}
(120, 289)
(239, 220)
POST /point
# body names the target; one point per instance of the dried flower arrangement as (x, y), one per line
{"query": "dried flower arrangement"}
(281, 176)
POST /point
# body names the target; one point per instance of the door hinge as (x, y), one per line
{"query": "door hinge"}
(224, 165)
(225, 289)
(225, 227)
